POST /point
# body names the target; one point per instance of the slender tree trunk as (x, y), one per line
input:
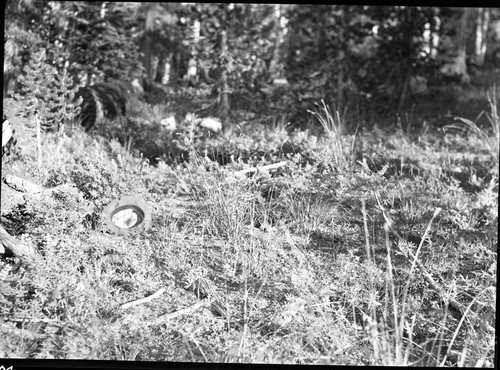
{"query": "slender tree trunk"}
(341, 60)
(167, 76)
(405, 70)
(160, 70)
(146, 47)
(224, 86)
(194, 70)
(224, 64)
(436, 26)
(151, 12)
(482, 23)
(274, 69)
(462, 43)
(404, 89)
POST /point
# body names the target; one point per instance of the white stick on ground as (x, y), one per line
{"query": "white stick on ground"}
(184, 311)
(259, 169)
(143, 300)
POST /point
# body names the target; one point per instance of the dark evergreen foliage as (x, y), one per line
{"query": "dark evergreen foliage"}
(88, 114)
(100, 101)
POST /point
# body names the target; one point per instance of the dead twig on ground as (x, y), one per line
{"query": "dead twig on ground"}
(9, 244)
(184, 311)
(260, 169)
(143, 300)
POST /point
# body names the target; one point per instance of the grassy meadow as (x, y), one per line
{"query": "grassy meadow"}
(374, 245)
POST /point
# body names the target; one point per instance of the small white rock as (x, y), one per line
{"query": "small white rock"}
(211, 124)
(169, 123)
(280, 82)
(137, 87)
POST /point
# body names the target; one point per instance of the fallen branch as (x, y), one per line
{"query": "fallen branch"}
(260, 169)
(22, 185)
(10, 245)
(184, 311)
(143, 300)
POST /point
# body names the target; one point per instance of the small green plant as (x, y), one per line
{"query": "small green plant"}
(47, 96)
(47, 93)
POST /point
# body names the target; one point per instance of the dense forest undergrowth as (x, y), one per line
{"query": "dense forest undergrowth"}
(375, 247)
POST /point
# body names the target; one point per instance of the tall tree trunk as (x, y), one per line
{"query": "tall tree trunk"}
(456, 57)
(194, 70)
(146, 47)
(167, 76)
(482, 23)
(435, 29)
(224, 86)
(341, 61)
(160, 69)
(151, 12)
(274, 69)
(405, 66)
(224, 65)
(462, 43)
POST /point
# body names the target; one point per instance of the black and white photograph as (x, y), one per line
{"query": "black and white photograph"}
(190, 185)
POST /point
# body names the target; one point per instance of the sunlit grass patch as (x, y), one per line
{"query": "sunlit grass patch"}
(288, 265)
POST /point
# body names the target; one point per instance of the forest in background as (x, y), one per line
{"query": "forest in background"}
(259, 62)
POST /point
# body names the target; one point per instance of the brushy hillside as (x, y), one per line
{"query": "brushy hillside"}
(373, 248)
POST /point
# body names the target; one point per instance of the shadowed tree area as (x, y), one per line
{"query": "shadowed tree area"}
(265, 62)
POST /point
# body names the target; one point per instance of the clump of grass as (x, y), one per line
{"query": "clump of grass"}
(332, 125)
(492, 142)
